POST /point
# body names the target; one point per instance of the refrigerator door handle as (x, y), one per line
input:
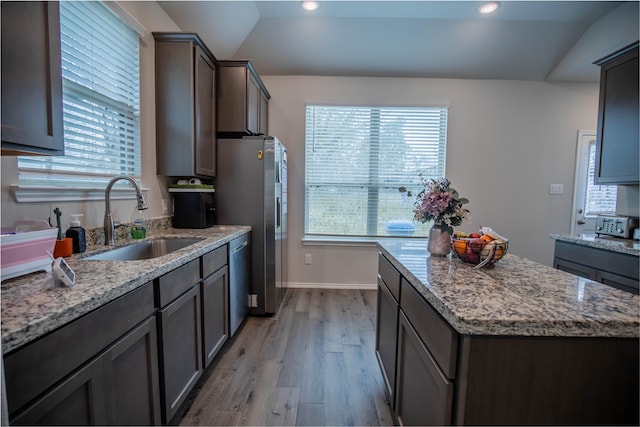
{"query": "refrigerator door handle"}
(278, 214)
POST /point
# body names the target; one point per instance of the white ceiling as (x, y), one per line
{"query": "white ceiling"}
(523, 40)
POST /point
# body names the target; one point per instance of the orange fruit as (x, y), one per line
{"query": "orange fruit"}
(460, 247)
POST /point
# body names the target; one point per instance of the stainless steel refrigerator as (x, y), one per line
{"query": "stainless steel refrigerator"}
(251, 189)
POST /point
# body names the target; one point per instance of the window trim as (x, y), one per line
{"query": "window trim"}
(37, 193)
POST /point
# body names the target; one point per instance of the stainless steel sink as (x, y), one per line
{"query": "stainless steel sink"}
(144, 250)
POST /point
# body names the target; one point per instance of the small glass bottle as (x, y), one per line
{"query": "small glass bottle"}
(138, 224)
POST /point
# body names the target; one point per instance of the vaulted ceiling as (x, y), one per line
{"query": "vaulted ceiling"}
(523, 40)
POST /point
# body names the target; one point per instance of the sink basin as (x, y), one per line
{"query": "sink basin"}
(144, 250)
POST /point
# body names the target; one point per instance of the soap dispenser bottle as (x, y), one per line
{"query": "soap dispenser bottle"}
(78, 234)
(138, 224)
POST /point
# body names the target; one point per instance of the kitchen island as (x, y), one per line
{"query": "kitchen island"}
(126, 343)
(518, 343)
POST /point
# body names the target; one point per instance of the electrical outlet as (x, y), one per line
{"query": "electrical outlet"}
(307, 259)
(165, 206)
(556, 189)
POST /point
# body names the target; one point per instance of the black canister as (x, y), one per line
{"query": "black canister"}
(77, 234)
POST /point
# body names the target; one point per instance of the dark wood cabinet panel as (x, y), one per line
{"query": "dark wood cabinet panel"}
(390, 276)
(185, 106)
(243, 100)
(547, 381)
(131, 367)
(28, 373)
(617, 135)
(79, 400)
(386, 337)
(31, 79)
(181, 350)
(424, 395)
(437, 335)
(215, 313)
(118, 387)
(615, 269)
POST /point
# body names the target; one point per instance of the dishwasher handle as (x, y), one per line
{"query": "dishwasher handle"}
(239, 248)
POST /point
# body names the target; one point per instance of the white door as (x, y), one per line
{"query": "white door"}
(589, 200)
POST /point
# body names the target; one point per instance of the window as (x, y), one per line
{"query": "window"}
(356, 158)
(100, 74)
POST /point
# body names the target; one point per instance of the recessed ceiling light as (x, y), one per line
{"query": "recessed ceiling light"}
(310, 5)
(488, 7)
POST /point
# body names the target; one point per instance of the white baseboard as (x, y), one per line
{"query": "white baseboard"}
(308, 285)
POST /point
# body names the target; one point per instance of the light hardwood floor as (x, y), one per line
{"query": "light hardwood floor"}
(313, 363)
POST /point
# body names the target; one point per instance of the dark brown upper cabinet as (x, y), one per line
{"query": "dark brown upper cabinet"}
(31, 79)
(185, 106)
(617, 136)
(243, 100)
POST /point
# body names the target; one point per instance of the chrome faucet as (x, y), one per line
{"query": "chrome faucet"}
(109, 238)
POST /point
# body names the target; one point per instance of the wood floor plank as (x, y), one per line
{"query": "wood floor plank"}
(312, 380)
(310, 414)
(313, 363)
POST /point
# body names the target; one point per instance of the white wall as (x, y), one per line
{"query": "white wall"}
(507, 141)
(153, 18)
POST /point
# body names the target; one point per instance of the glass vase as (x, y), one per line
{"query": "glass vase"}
(439, 242)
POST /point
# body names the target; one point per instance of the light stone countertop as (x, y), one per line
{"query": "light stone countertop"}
(515, 297)
(30, 311)
(607, 243)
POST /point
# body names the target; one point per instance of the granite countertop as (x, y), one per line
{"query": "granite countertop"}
(607, 243)
(514, 297)
(29, 310)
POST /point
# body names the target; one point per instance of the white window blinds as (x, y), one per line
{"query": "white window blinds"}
(356, 158)
(100, 71)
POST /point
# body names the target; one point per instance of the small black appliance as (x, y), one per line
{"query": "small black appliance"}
(193, 208)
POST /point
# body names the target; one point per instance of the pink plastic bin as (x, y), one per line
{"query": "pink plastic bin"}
(25, 249)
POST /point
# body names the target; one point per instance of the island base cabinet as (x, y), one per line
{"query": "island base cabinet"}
(424, 396)
(119, 387)
(386, 330)
(181, 350)
(547, 380)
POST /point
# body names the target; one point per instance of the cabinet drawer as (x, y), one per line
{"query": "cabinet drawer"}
(439, 338)
(599, 259)
(176, 282)
(214, 260)
(34, 368)
(390, 276)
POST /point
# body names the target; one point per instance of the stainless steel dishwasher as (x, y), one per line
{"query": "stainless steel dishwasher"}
(239, 280)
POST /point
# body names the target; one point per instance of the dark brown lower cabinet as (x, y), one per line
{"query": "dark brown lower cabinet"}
(215, 313)
(134, 384)
(424, 395)
(181, 349)
(79, 400)
(118, 387)
(386, 331)
(614, 269)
